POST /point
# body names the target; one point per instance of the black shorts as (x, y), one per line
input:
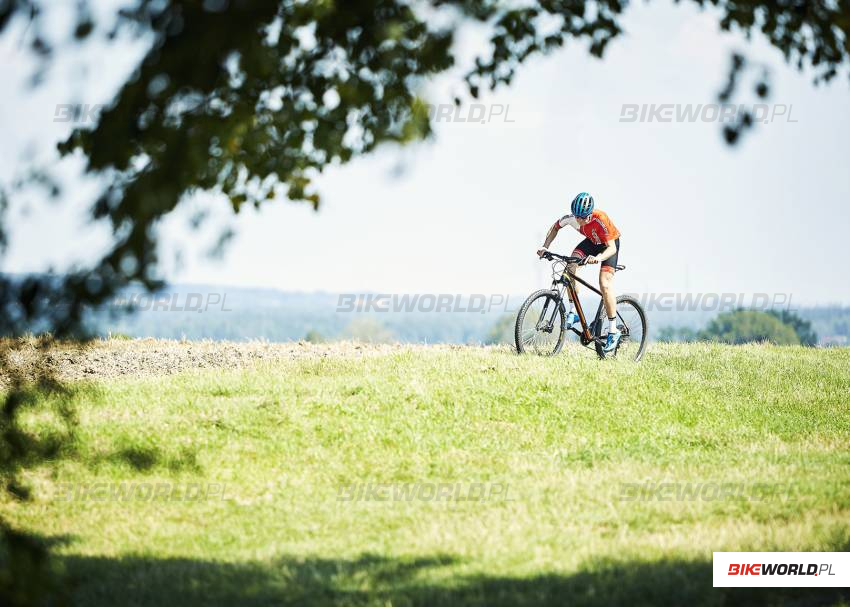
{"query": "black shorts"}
(587, 247)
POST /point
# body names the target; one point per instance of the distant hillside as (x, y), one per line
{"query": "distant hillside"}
(240, 314)
(228, 313)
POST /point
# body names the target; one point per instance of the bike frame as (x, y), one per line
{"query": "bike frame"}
(559, 285)
(586, 336)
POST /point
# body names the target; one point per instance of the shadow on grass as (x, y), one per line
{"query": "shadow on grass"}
(145, 458)
(382, 581)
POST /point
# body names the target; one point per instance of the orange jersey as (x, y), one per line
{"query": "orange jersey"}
(600, 229)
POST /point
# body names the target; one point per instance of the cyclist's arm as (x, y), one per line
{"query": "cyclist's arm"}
(566, 220)
(550, 236)
(610, 250)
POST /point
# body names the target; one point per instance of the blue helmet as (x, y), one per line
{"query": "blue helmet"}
(582, 205)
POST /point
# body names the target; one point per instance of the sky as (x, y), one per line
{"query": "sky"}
(465, 212)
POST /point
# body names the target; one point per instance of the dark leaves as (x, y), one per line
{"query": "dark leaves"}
(83, 29)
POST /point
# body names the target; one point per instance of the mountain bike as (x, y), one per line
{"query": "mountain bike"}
(541, 322)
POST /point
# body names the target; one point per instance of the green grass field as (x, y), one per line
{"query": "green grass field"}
(557, 458)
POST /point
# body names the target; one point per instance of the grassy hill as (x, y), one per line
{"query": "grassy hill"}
(452, 475)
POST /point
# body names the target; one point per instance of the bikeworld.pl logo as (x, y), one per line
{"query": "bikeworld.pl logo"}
(687, 491)
(422, 492)
(140, 492)
(171, 302)
(712, 302)
(781, 569)
(704, 112)
(421, 302)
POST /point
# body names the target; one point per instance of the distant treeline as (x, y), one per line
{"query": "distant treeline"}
(239, 314)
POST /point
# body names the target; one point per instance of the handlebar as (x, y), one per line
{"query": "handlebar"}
(576, 260)
(548, 255)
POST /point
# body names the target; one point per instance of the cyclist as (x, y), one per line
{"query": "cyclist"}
(600, 245)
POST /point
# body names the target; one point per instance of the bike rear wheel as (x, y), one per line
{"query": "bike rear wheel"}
(541, 324)
(631, 320)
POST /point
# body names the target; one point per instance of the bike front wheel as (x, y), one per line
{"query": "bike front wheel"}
(541, 324)
(631, 320)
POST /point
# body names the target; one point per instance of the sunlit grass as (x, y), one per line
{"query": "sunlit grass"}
(283, 443)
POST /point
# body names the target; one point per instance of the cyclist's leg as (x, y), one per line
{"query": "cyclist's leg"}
(582, 250)
(606, 282)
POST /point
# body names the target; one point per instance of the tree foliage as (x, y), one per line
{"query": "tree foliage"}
(677, 334)
(803, 328)
(745, 326)
(253, 98)
(502, 331)
(368, 330)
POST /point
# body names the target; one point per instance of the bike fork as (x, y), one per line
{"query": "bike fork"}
(542, 323)
(550, 324)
